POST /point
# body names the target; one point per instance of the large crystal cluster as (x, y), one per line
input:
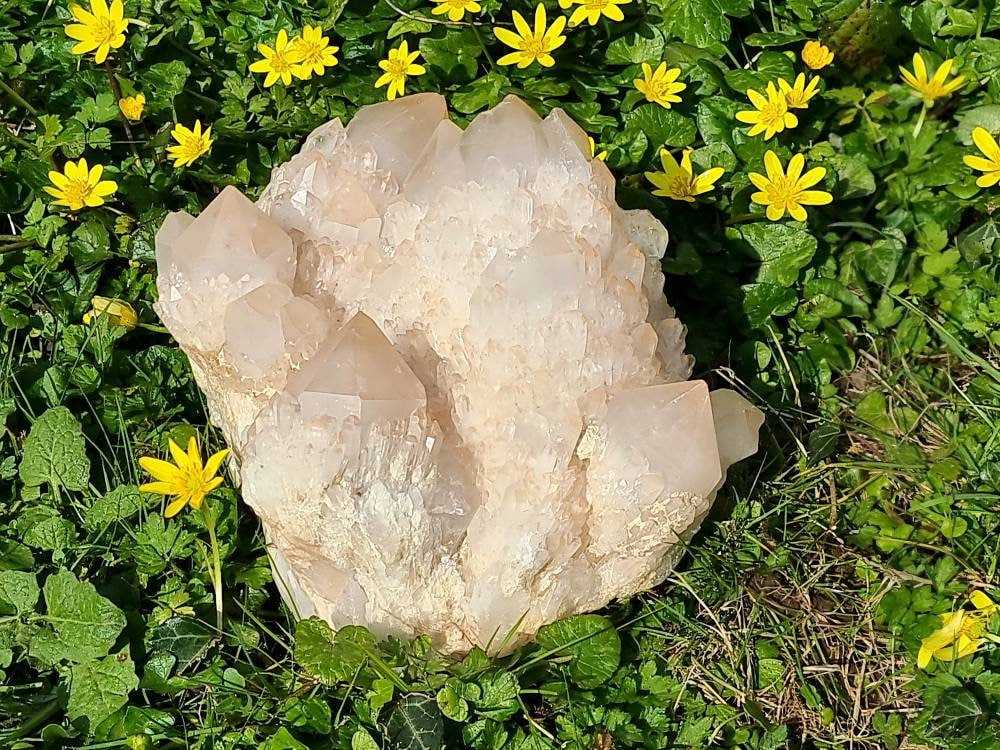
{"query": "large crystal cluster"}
(455, 392)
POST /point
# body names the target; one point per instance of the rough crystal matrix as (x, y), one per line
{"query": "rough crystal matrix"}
(456, 394)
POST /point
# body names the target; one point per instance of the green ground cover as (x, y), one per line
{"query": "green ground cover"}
(866, 332)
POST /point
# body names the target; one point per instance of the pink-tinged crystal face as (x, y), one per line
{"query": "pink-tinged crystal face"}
(457, 395)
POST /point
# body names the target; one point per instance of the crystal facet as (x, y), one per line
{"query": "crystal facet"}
(456, 395)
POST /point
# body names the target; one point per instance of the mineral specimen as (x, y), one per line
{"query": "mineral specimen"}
(455, 392)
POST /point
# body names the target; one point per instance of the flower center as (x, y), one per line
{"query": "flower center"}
(104, 30)
(772, 112)
(682, 187)
(397, 68)
(534, 45)
(281, 63)
(595, 4)
(77, 191)
(456, 4)
(782, 191)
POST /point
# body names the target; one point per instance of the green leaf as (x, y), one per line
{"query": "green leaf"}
(643, 44)
(783, 250)
(282, 740)
(700, 22)
(451, 702)
(498, 696)
(456, 54)
(663, 127)
(592, 643)
(327, 657)
(87, 624)
(18, 590)
(361, 740)
(99, 688)
(415, 724)
(54, 452)
(117, 505)
(761, 301)
(959, 713)
(185, 638)
(15, 556)
(481, 93)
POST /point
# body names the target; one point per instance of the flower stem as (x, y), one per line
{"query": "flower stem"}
(216, 564)
(920, 121)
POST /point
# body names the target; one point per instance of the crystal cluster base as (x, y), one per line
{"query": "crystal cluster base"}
(455, 392)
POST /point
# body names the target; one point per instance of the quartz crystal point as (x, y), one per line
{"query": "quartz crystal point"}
(456, 395)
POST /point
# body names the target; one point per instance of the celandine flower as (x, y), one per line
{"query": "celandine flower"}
(132, 106)
(100, 30)
(797, 96)
(192, 143)
(961, 633)
(593, 150)
(934, 87)
(660, 86)
(456, 9)
(770, 114)
(678, 181)
(78, 186)
(788, 191)
(532, 44)
(816, 55)
(316, 51)
(279, 61)
(990, 165)
(120, 313)
(187, 480)
(400, 64)
(592, 10)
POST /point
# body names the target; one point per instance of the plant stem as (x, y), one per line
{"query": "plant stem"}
(17, 98)
(920, 121)
(216, 564)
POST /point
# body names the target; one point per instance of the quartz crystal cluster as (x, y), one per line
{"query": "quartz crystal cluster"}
(454, 391)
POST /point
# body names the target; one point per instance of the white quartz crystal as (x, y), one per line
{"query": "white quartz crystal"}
(456, 395)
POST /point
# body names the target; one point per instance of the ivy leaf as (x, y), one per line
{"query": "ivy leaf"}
(592, 643)
(415, 724)
(85, 623)
(100, 687)
(959, 713)
(185, 638)
(54, 452)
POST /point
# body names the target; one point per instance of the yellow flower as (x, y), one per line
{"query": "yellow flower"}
(770, 114)
(120, 313)
(316, 51)
(456, 9)
(187, 480)
(960, 635)
(816, 55)
(99, 31)
(132, 106)
(985, 606)
(78, 186)
(797, 96)
(991, 164)
(592, 10)
(593, 151)
(279, 61)
(781, 191)
(532, 45)
(191, 143)
(678, 181)
(660, 87)
(931, 88)
(400, 64)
